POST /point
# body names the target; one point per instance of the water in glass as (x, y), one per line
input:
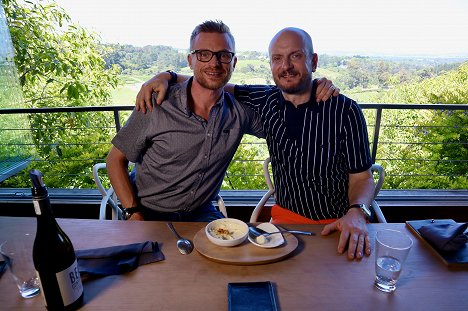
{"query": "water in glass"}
(30, 288)
(387, 272)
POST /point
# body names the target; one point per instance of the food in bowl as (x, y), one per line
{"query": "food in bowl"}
(227, 231)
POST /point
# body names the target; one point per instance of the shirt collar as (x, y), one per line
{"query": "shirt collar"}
(311, 103)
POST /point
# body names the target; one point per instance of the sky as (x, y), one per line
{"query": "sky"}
(364, 27)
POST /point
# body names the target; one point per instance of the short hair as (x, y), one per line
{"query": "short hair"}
(210, 26)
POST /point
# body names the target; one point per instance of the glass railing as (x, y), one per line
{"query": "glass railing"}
(423, 146)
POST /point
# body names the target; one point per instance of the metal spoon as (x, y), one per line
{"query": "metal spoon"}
(185, 246)
(255, 232)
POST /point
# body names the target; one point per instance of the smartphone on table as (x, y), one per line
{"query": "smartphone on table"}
(258, 296)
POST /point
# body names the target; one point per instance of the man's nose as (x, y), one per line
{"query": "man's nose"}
(216, 58)
(287, 64)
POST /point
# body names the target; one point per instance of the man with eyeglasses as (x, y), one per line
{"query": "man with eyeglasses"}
(183, 147)
(319, 151)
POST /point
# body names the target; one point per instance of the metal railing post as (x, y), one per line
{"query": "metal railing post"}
(117, 120)
(375, 141)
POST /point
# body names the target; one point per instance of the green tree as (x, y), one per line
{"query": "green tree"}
(145, 60)
(246, 170)
(436, 136)
(60, 64)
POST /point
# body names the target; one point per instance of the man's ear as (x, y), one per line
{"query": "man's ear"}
(189, 60)
(234, 62)
(314, 62)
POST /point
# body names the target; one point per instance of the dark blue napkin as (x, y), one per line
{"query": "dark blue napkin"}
(117, 259)
(445, 237)
(2, 267)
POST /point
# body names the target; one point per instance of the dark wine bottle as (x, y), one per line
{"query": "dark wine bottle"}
(53, 254)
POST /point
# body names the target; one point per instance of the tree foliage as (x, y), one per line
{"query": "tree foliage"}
(145, 60)
(363, 73)
(438, 140)
(60, 65)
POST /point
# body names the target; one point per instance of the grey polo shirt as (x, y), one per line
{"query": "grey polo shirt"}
(181, 159)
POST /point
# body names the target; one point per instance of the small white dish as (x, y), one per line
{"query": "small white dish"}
(273, 240)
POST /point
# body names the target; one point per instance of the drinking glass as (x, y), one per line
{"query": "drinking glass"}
(17, 253)
(391, 249)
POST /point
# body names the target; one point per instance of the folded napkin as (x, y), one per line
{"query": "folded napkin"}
(445, 237)
(117, 259)
(2, 266)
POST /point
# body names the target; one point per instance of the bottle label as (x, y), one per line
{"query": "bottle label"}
(37, 208)
(69, 282)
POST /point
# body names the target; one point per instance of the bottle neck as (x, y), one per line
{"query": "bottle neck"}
(44, 213)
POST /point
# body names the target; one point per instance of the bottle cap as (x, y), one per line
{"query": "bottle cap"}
(38, 189)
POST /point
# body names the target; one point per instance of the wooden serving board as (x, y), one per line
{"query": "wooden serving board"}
(246, 253)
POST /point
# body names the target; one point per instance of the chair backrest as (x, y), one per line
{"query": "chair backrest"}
(109, 197)
(271, 191)
(378, 185)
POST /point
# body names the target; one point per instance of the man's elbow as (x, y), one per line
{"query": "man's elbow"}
(116, 159)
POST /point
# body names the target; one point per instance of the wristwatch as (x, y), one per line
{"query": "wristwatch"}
(363, 208)
(128, 212)
(173, 79)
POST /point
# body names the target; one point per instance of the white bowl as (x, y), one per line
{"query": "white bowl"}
(227, 231)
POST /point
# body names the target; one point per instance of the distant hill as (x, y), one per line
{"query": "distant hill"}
(362, 76)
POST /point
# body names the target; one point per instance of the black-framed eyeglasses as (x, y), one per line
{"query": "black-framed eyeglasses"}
(205, 56)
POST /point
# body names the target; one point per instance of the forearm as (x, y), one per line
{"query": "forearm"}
(361, 188)
(166, 76)
(182, 78)
(117, 169)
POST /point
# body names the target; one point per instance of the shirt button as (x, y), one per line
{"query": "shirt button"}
(209, 134)
(205, 156)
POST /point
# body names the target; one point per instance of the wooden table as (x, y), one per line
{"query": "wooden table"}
(315, 277)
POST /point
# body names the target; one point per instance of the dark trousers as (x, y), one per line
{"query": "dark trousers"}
(205, 213)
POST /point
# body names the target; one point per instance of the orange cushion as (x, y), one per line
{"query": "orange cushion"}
(281, 215)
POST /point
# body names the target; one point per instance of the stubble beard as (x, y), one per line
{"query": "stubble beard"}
(213, 84)
(296, 88)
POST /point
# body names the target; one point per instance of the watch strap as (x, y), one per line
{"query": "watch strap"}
(364, 208)
(173, 79)
(133, 210)
(128, 212)
(357, 205)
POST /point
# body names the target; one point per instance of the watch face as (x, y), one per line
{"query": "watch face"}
(366, 210)
(128, 212)
(125, 214)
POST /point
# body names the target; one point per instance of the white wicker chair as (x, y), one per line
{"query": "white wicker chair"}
(271, 192)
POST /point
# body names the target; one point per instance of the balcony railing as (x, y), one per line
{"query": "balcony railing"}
(401, 137)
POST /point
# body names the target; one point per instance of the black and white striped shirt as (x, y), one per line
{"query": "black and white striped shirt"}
(312, 148)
